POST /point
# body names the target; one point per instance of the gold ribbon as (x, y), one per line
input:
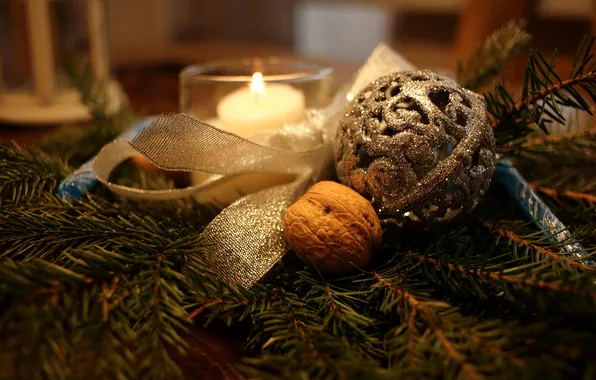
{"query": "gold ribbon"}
(246, 239)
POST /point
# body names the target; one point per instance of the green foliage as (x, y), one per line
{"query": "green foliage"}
(104, 288)
(543, 95)
(118, 269)
(491, 58)
(25, 174)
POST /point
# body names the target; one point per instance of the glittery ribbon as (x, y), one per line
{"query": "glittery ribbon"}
(245, 240)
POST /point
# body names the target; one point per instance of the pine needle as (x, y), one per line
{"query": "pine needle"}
(544, 95)
(490, 59)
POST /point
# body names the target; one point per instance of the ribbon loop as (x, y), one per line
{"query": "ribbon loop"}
(180, 142)
(246, 238)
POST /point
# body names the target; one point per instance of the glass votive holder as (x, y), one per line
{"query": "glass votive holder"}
(247, 97)
(255, 94)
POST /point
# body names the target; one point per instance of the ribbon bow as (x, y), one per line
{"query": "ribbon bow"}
(245, 240)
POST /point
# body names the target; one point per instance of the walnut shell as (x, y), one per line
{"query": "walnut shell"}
(333, 227)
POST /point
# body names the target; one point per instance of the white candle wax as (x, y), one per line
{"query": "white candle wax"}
(246, 112)
(260, 107)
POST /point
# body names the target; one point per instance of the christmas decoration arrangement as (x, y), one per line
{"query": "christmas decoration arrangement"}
(452, 240)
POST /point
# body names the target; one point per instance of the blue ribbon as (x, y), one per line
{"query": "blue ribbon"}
(535, 209)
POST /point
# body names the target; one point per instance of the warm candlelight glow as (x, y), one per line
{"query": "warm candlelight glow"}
(252, 109)
(257, 86)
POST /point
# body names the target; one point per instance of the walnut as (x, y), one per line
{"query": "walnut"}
(333, 227)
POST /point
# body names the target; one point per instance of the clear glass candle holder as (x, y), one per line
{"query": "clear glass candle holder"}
(249, 95)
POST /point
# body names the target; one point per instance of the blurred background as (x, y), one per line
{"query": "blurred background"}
(429, 33)
(150, 41)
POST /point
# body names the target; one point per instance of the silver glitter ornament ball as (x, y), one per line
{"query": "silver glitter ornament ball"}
(418, 145)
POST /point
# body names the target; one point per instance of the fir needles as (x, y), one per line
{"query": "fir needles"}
(106, 289)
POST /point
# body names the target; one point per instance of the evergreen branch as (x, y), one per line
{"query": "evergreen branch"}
(517, 280)
(575, 208)
(569, 158)
(525, 144)
(426, 309)
(553, 90)
(290, 327)
(163, 317)
(37, 277)
(336, 305)
(547, 254)
(411, 338)
(207, 293)
(67, 338)
(57, 226)
(24, 175)
(113, 240)
(489, 60)
(492, 348)
(338, 308)
(543, 95)
(576, 176)
(227, 303)
(283, 366)
(575, 195)
(102, 346)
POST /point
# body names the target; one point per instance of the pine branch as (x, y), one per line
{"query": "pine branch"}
(89, 243)
(412, 306)
(293, 329)
(470, 342)
(548, 139)
(546, 254)
(69, 337)
(543, 95)
(575, 208)
(56, 226)
(162, 318)
(575, 195)
(24, 175)
(101, 348)
(499, 48)
(339, 309)
(519, 280)
(282, 366)
(209, 295)
(476, 339)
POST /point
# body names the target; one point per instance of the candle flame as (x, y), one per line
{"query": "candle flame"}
(257, 86)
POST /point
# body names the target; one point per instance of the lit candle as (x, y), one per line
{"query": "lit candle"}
(246, 112)
(260, 107)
